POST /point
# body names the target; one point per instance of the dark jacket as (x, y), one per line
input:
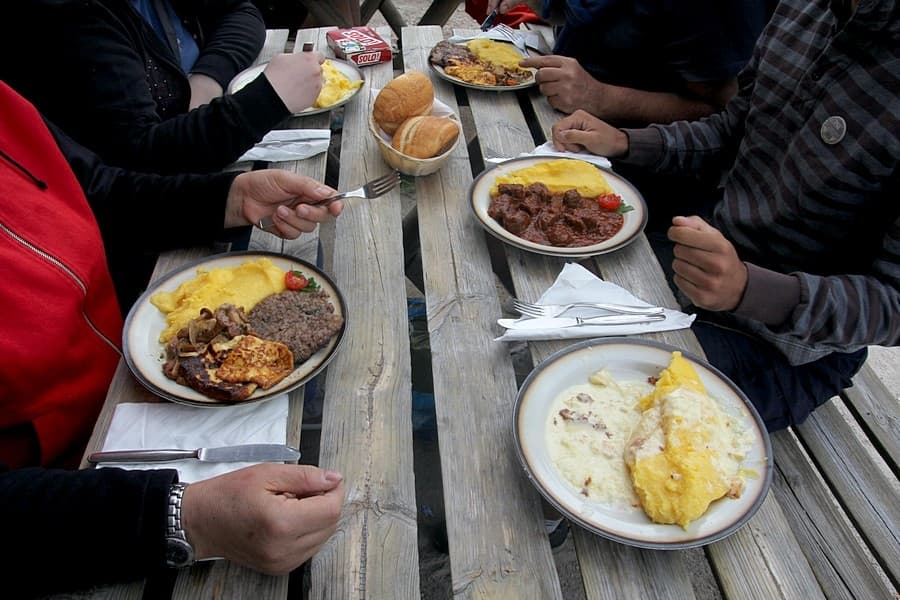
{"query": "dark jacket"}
(73, 529)
(111, 83)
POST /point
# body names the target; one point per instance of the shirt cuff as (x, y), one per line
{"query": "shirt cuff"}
(645, 147)
(770, 297)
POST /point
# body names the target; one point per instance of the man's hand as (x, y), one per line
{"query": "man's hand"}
(269, 517)
(567, 85)
(707, 267)
(582, 131)
(257, 194)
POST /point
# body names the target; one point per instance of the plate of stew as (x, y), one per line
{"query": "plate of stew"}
(562, 224)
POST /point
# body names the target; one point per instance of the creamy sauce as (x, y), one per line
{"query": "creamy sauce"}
(588, 429)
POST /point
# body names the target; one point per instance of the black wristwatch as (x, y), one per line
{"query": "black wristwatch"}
(179, 552)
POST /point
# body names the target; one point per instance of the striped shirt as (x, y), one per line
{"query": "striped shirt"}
(808, 156)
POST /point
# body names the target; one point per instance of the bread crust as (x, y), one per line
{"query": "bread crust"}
(425, 136)
(408, 95)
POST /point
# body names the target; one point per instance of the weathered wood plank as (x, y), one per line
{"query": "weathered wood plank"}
(879, 410)
(366, 425)
(507, 136)
(868, 492)
(498, 548)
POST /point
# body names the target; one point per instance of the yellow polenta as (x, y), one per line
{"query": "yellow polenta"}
(242, 285)
(495, 52)
(335, 86)
(685, 452)
(560, 175)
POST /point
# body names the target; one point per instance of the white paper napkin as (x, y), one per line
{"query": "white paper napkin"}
(289, 144)
(547, 149)
(575, 283)
(146, 426)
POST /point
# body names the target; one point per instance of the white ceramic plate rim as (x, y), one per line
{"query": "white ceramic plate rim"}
(494, 88)
(632, 359)
(144, 353)
(348, 69)
(634, 220)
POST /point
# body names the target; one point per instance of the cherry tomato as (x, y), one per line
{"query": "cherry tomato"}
(609, 201)
(295, 280)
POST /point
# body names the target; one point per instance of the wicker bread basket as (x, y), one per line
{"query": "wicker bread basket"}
(407, 164)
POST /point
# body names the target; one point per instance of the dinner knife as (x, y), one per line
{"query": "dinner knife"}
(242, 453)
(562, 322)
(489, 21)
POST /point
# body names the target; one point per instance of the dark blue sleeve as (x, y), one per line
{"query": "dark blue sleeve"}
(65, 530)
(707, 40)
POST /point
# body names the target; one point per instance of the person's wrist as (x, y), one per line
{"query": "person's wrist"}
(620, 144)
(191, 520)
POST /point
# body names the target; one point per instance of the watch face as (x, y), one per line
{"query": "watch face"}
(179, 553)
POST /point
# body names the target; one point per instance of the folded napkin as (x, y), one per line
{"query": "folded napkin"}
(547, 149)
(146, 426)
(577, 284)
(289, 144)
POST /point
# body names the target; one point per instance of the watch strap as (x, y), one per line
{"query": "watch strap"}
(177, 544)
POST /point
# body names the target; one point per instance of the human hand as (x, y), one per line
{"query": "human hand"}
(203, 89)
(565, 83)
(257, 194)
(503, 6)
(297, 78)
(583, 131)
(707, 267)
(269, 517)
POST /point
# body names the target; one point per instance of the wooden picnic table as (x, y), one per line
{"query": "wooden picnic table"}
(827, 529)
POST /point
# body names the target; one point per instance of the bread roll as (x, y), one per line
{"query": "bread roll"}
(425, 137)
(405, 96)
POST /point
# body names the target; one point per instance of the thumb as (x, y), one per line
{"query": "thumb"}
(693, 222)
(535, 62)
(304, 480)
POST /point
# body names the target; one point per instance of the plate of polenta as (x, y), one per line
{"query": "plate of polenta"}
(234, 328)
(642, 443)
(554, 206)
(341, 81)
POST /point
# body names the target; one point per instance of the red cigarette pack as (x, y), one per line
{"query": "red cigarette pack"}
(360, 45)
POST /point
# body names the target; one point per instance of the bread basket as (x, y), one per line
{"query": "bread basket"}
(407, 164)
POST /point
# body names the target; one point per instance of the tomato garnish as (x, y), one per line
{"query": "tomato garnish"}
(609, 202)
(295, 280)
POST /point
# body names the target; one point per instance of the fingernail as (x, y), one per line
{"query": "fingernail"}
(283, 212)
(321, 189)
(333, 477)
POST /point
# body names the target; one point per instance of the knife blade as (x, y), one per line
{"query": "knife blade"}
(489, 21)
(562, 322)
(240, 453)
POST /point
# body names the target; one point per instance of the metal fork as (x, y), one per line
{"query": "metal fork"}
(514, 36)
(372, 189)
(554, 310)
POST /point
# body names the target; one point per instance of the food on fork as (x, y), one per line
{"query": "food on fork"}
(408, 95)
(425, 136)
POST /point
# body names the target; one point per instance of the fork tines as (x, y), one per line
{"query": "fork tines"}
(382, 185)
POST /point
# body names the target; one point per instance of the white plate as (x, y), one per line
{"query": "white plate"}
(145, 355)
(634, 220)
(632, 359)
(496, 88)
(348, 69)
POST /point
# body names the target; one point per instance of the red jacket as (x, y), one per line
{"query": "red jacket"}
(62, 327)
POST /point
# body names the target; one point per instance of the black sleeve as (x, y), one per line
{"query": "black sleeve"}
(71, 529)
(233, 33)
(147, 211)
